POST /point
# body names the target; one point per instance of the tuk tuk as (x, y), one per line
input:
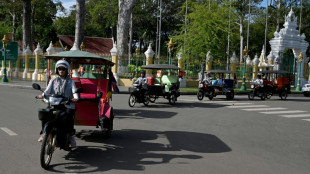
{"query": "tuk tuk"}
(222, 83)
(272, 82)
(93, 108)
(165, 83)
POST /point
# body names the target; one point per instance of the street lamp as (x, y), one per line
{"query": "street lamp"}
(170, 48)
(300, 58)
(245, 53)
(5, 45)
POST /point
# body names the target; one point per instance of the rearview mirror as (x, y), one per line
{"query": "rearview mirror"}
(36, 86)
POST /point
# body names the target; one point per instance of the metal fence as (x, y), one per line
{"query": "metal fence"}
(130, 66)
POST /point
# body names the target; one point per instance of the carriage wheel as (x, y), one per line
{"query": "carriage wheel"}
(283, 95)
(152, 98)
(172, 98)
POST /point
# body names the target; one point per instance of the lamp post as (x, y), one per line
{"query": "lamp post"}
(170, 48)
(300, 58)
(245, 53)
(4, 45)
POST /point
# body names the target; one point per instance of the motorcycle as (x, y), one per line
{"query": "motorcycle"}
(139, 95)
(54, 119)
(205, 90)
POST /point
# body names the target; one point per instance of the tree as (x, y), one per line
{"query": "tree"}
(79, 23)
(206, 30)
(125, 9)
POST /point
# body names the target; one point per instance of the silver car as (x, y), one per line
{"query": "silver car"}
(306, 90)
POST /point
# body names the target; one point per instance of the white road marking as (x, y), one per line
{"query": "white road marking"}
(296, 116)
(8, 131)
(283, 112)
(263, 109)
(238, 103)
(247, 106)
(306, 119)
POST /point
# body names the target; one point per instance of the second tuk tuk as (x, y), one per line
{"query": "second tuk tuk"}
(165, 83)
(272, 82)
(222, 83)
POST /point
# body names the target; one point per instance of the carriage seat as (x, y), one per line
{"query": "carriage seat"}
(169, 81)
(90, 88)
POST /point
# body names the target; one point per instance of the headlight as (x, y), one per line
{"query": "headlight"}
(252, 86)
(54, 100)
(200, 85)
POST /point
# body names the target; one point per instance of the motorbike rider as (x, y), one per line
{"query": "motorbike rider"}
(65, 86)
(208, 79)
(258, 80)
(141, 82)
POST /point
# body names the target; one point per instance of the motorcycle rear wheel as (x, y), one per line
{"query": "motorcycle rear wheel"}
(46, 151)
(251, 95)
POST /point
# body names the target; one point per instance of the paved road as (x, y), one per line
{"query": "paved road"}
(198, 137)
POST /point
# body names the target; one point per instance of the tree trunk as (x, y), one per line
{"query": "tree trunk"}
(27, 41)
(79, 24)
(130, 37)
(13, 23)
(125, 9)
(241, 39)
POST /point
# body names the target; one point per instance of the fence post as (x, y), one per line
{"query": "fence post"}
(114, 55)
(20, 54)
(309, 72)
(38, 51)
(9, 72)
(149, 59)
(255, 66)
(50, 50)
(209, 59)
(2, 68)
(27, 53)
(182, 68)
(233, 62)
(270, 58)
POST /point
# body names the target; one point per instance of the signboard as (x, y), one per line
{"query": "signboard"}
(11, 51)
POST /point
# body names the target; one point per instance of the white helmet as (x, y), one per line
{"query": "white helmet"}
(62, 63)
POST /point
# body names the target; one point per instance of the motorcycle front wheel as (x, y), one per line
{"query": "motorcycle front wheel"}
(200, 95)
(46, 151)
(132, 100)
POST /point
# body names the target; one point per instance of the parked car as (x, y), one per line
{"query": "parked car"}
(306, 90)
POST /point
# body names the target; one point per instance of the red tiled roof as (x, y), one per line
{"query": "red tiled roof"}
(96, 45)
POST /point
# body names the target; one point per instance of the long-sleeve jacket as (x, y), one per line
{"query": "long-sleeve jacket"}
(55, 87)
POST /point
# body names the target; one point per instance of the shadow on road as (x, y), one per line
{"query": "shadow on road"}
(133, 149)
(140, 113)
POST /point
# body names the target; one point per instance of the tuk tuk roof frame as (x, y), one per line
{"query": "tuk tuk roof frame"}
(80, 57)
(160, 66)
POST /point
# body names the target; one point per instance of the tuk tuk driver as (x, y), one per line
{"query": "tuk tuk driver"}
(208, 79)
(141, 81)
(258, 80)
(63, 85)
